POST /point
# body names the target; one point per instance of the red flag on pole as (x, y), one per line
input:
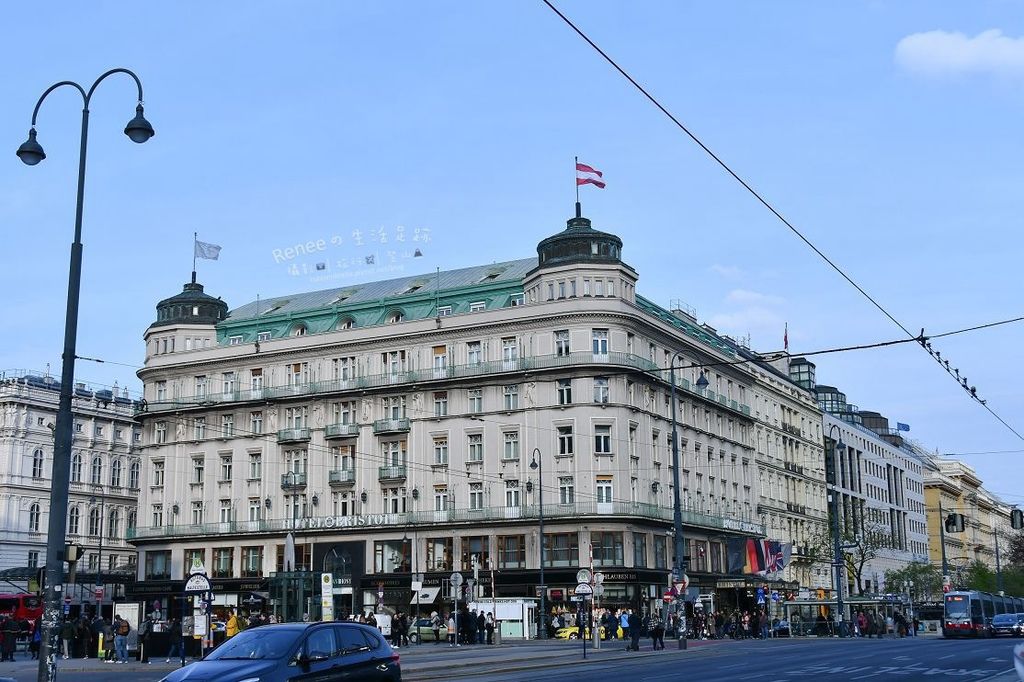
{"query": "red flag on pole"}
(586, 175)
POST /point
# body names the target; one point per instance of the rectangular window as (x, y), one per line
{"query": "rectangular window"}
(198, 469)
(395, 501)
(235, 340)
(228, 382)
(227, 425)
(601, 389)
(511, 551)
(512, 494)
(158, 516)
(475, 447)
(561, 550)
(444, 311)
(252, 562)
(474, 353)
(262, 336)
(33, 559)
(509, 354)
(296, 417)
(199, 428)
(604, 489)
(441, 451)
(640, 550)
(476, 400)
(344, 412)
(223, 559)
(602, 439)
(441, 498)
(226, 515)
(516, 300)
(197, 513)
(343, 369)
(255, 465)
(565, 440)
(600, 343)
(161, 391)
(160, 432)
(393, 453)
(225, 468)
(511, 393)
(562, 342)
(202, 386)
(158, 474)
(394, 407)
(477, 306)
(256, 421)
(394, 364)
(566, 490)
(158, 564)
(607, 548)
(476, 552)
(660, 552)
(511, 450)
(255, 509)
(565, 391)
(476, 495)
(343, 458)
(440, 403)
(439, 554)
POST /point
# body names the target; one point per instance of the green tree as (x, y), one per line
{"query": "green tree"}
(925, 578)
(978, 576)
(1015, 552)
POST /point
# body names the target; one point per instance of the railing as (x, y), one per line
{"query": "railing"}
(341, 430)
(392, 473)
(391, 425)
(292, 435)
(627, 510)
(293, 480)
(341, 476)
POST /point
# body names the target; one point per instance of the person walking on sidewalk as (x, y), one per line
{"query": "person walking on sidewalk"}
(657, 633)
(145, 630)
(633, 624)
(435, 625)
(121, 630)
(174, 634)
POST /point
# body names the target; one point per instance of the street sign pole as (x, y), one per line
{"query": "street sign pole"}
(456, 582)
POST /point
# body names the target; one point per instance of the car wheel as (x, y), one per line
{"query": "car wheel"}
(574, 635)
(414, 638)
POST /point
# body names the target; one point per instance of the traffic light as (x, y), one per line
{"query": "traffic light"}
(1017, 519)
(955, 523)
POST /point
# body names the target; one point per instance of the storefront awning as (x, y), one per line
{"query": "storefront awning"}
(425, 596)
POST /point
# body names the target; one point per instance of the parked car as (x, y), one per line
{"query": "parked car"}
(1011, 624)
(292, 651)
(574, 633)
(422, 631)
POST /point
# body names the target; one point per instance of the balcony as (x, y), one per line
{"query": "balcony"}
(392, 473)
(341, 430)
(400, 425)
(297, 435)
(341, 477)
(293, 481)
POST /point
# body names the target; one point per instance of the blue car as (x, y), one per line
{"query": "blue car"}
(297, 651)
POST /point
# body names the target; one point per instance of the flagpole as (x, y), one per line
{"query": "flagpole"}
(195, 240)
(575, 170)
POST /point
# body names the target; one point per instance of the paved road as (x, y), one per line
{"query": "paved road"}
(925, 659)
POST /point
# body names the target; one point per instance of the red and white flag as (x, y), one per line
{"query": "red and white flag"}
(585, 175)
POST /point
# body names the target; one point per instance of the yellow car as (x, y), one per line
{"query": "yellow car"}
(574, 633)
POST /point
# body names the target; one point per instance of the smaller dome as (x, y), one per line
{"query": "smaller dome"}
(191, 306)
(579, 243)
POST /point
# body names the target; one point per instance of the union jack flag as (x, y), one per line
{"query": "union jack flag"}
(774, 556)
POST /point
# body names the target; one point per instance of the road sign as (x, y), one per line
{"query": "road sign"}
(599, 578)
(683, 583)
(67, 599)
(197, 582)
(583, 575)
(598, 590)
(578, 597)
(775, 595)
(584, 589)
(98, 592)
(456, 579)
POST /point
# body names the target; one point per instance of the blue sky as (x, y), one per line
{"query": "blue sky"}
(889, 132)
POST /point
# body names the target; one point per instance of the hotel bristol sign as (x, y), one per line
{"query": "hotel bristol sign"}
(345, 522)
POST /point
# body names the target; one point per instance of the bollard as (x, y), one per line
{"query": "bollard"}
(595, 635)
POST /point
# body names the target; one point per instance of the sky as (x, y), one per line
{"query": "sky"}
(888, 132)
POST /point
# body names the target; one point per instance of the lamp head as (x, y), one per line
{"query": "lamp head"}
(533, 462)
(31, 152)
(702, 381)
(138, 129)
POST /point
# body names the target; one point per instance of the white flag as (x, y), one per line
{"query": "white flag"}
(208, 251)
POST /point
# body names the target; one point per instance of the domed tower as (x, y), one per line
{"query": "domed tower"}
(185, 321)
(580, 262)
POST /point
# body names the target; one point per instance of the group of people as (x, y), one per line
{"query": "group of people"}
(466, 627)
(11, 630)
(875, 624)
(80, 637)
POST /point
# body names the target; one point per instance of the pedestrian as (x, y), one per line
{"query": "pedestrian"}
(121, 630)
(623, 622)
(10, 631)
(435, 625)
(481, 627)
(68, 634)
(471, 627)
(634, 624)
(231, 629)
(174, 635)
(452, 632)
(108, 641)
(657, 633)
(144, 632)
(490, 628)
(84, 636)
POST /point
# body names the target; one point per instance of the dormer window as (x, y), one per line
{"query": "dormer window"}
(299, 330)
(395, 316)
(346, 323)
(195, 310)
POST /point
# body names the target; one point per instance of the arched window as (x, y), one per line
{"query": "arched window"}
(95, 521)
(76, 468)
(299, 330)
(37, 464)
(113, 521)
(96, 474)
(346, 323)
(133, 476)
(131, 521)
(115, 473)
(33, 517)
(395, 316)
(73, 517)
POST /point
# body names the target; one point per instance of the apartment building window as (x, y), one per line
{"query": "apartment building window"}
(512, 494)
(226, 512)
(37, 464)
(475, 447)
(343, 369)
(440, 498)
(296, 417)
(476, 495)
(158, 564)
(98, 431)
(607, 547)
(394, 407)
(297, 373)
(34, 515)
(477, 306)
(76, 468)
(476, 400)
(199, 428)
(157, 517)
(342, 504)
(229, 382)
(161, 391)
(297, 460)
(158, 474)
(223, 558)
(565, 440)
(345, 412)
(561, 550)
(440, 403)
(640, 550)
(660, 552)
(256, 421)
(562, 342)
(133, 476)
(227, 425)
(394, 363)
(263, 336)
(602, 439)
(197, 513)
(600, 389)
(255, 465)
(565, 391)
(33, 559)
(256, 375)
(252, 562)
(566, 490)
(441, 451)
(343, 457)
(96, 471)
(509, 353)
(394, 500)
(511, 393)
(255, 509)
(476, 552)
(603, 487)
(393, 453)
(198, 469)
(444, 311)
(115, 473)
(600, 343)
(511, 551)
(225, 467)
(202, 386)
(74, 517)
(474, 353)
(235, 340)
(511, 450)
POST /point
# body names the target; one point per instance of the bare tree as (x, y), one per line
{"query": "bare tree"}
(857, 548)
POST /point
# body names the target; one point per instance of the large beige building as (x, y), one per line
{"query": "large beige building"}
(391, 426)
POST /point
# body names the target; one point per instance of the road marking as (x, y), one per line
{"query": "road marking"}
(946, 656)
(997, 675)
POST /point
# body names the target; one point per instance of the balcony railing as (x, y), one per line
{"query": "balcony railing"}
(293, 435)
(341, 430)
(399, 425)
(341, 477)
(293, 481)
(620, 510)
(391, 473)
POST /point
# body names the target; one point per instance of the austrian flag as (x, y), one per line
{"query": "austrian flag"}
(585, 175)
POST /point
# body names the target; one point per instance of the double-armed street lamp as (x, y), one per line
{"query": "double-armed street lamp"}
(31, 152)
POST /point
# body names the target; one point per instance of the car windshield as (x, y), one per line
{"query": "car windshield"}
(257, 643)
(1005, 619)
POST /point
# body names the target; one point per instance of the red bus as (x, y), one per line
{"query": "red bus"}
(969, 613)
(21, 606)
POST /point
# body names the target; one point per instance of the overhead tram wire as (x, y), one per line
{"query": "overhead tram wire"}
(764, 202)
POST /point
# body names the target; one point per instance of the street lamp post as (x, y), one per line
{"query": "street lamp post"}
(837, 545)
(99, 564)
(538, 464)
(31, 152)
(677, 508)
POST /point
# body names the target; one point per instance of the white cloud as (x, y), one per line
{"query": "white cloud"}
(727, 271)
(946, 53)
(745, 296)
